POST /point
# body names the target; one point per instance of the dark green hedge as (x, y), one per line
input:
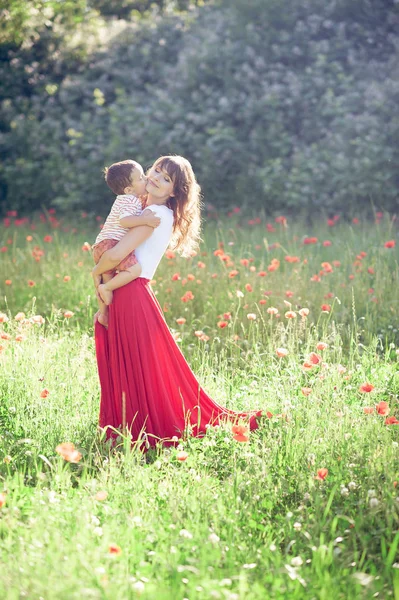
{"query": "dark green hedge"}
(279, 104)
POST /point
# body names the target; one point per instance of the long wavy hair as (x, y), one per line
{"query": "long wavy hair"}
(185, 203)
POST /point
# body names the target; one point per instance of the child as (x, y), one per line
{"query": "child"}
(127, 180)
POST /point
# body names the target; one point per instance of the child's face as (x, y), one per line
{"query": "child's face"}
(138, 181)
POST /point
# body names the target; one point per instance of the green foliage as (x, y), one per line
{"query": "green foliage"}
(292, 106)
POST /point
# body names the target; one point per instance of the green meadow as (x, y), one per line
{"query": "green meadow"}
(298, 320)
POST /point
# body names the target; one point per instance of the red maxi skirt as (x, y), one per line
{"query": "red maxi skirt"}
(146, 383)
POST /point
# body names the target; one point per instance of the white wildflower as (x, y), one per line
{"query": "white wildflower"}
(185, 534)
(296, 561)
(213, 538)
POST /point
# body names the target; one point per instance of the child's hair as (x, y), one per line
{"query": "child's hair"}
(119, 175)
(185, 203)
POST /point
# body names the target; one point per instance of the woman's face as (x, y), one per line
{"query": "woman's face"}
(159, 183)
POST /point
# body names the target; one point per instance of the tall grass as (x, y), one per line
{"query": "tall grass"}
(233, 520)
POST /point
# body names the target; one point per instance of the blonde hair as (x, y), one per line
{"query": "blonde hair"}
(185, 203)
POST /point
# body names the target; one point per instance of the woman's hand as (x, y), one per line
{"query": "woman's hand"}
(130, 241)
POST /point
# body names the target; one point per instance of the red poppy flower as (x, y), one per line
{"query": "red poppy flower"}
(382, 408)
(368, 410)
(391, 421)
(390, 244)
(68, 452)
(114, 549)
(248, 287)
(307, 365)
(290, 314)
(44, 393)
(306, 391)
(314, 358)
(366, 388)
(239, 429)
(321, 474)
(325, 307)
(241, 437)
(321, 346)
(187, 296)
(222, 324)
(327, 267)
(282, 352)
(182, 456)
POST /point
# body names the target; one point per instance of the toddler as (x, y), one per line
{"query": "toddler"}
(127, 180)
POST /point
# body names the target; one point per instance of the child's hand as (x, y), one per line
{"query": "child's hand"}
(152, 220)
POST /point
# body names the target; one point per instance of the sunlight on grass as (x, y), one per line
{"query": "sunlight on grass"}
(306, 506)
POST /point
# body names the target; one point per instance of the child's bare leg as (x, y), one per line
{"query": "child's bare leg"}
(103, 316)
(122, 278)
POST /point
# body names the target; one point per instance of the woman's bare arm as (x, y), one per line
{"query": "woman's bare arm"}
(130, 241)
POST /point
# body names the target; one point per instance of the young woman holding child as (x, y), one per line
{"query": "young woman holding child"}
(146, 383)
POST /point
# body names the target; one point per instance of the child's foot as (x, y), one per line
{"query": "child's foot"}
(105, 295)
(103, 319)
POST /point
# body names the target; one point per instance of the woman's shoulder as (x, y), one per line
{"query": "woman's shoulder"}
(160, 207)
(161, 210)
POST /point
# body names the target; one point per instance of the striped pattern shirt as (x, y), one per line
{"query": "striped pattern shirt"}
(124, 206)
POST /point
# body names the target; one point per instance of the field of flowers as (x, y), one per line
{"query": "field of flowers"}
(299, 320)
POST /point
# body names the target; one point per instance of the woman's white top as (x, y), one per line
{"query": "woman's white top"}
(150, 252)
(125, 205)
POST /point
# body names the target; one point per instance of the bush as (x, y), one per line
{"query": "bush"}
(289, 106)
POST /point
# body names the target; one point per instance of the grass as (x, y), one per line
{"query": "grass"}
(234, 520)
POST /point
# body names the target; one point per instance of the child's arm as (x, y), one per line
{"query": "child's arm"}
(146, 218)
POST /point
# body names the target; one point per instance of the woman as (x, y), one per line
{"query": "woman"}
(146, 383)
